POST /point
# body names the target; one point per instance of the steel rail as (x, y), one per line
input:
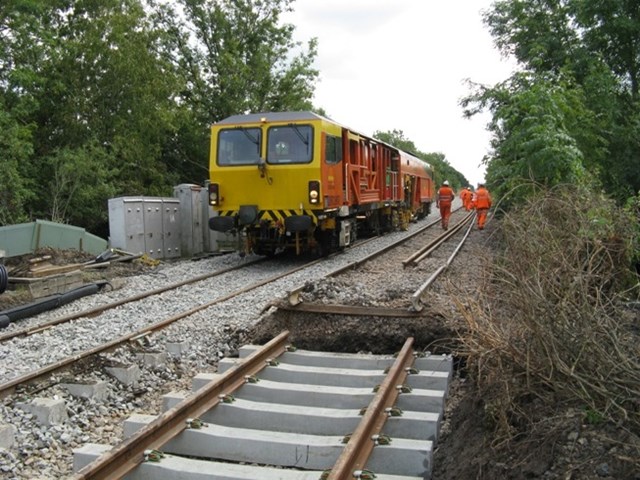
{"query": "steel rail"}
(416, 297)
(294, 295)
(425, 251)
(91, 312)
(6, 387)
(358, 450)
(128, 455)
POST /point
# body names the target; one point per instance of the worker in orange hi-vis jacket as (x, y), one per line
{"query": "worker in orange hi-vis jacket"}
(482, 204)
(465, 196)
(444, 200)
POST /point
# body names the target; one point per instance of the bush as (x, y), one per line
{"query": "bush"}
(550, 323)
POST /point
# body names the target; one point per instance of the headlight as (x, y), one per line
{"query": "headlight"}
(314, 191)
(214, 194)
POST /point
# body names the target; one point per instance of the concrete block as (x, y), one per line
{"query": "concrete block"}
(316, 420)
(152, 360)
(127, 375)
(171, 399)
(97, 391)
(321, 396)
(177, 349)
(46, 410)
(201, 379)
(7, 436)
(327, 359)
(439, 363)
(50, 285)
(225, 364)
(171, 468)
(410, 458)
(86, 454)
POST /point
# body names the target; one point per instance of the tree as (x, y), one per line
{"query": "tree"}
(115, 97)
(586, 54)
(15, 148)
(235, 56)
(86, 79)
(542, 130)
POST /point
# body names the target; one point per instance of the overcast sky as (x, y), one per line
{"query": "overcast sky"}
(401, 64)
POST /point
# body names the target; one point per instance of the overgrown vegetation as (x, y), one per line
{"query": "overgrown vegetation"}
(551, 328)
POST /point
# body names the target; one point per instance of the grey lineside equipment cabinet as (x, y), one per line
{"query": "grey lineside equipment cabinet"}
(196, 237)
(148, 225)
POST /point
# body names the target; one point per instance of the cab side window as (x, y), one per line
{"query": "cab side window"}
(333, 150)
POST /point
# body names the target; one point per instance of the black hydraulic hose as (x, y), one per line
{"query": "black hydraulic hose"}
(4, 278)
(48, 303)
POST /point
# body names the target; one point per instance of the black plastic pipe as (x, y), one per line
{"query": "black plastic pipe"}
(48, 303)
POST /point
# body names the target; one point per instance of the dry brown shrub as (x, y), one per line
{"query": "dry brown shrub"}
(549, 326)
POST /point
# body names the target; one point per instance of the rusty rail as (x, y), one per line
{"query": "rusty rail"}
(360, 445)
(425, 251)
(416, 297)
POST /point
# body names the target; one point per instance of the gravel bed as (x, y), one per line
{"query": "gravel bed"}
(45, 452)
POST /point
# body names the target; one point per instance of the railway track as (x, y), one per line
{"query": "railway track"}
(38, 327)
(279, 413)
(64, 362)
(215, 311)
(24, 379)
(418, 260)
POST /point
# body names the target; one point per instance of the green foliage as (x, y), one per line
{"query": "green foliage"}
(593, 417)
(80, 178)
(576, 95)
(632, 213)
(115, 97)
(15, 148)
(541, 133)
